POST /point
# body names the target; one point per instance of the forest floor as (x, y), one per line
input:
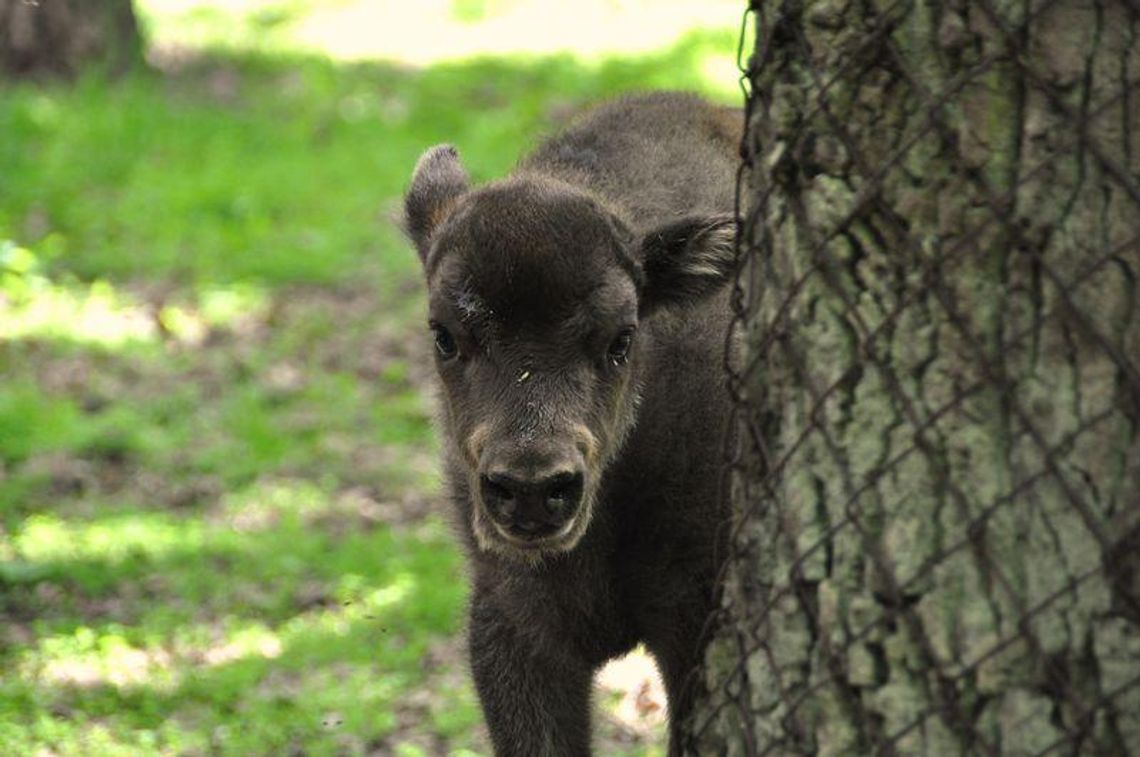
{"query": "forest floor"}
(220, 516)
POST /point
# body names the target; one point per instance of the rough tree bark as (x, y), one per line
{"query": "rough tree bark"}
(61, 37)
(938, 478)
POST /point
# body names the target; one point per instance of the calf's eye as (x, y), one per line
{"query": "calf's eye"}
(444, 342)
(618, 351)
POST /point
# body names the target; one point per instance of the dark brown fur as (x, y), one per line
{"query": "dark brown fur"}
(621, 222)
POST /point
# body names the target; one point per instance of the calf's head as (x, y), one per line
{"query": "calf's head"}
(539, 304)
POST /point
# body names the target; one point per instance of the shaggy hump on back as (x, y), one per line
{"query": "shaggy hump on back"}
(578, 313)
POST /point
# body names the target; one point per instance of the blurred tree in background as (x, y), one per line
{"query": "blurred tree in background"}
(62, 36)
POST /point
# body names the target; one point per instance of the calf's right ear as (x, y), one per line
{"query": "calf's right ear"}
(438, 181)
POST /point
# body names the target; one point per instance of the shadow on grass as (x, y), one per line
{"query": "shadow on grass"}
(320, 383)
(143, 618)
(318, 676)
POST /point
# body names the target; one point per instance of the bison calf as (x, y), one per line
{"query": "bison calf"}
(579, 315)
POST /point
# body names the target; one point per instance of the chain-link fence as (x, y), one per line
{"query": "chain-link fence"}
(937, 471)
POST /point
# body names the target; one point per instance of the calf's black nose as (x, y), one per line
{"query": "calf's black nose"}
(532, 508)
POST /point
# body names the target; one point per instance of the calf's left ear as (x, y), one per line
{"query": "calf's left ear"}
(687, 260)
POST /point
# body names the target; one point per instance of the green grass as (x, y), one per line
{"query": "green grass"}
(243, 659)
(275, 170)
(220, 519)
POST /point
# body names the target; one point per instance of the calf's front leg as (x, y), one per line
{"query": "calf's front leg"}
(536, 700)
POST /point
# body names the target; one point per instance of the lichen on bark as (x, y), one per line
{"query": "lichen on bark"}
(938, 475)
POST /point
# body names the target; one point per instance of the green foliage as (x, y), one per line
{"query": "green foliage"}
(470, 11)
(215, 450)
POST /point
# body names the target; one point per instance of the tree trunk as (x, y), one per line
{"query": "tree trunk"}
(938, 472)
(61, 37)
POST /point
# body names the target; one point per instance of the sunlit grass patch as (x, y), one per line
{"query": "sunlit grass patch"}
(431, 32)
(80, 734)
(249, 24)
(213, 309)
(224, 306)
(116, 538)
(86, 659)
(254, 638)
(264, 505)
(94, 314)
(32, 305)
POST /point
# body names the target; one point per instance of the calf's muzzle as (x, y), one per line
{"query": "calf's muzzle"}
(532, 490)
(532, 507)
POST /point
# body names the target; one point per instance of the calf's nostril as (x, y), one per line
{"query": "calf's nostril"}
(562, 492)
(498, 496)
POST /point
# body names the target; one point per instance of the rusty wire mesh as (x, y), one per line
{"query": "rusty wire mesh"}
(937, 467)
